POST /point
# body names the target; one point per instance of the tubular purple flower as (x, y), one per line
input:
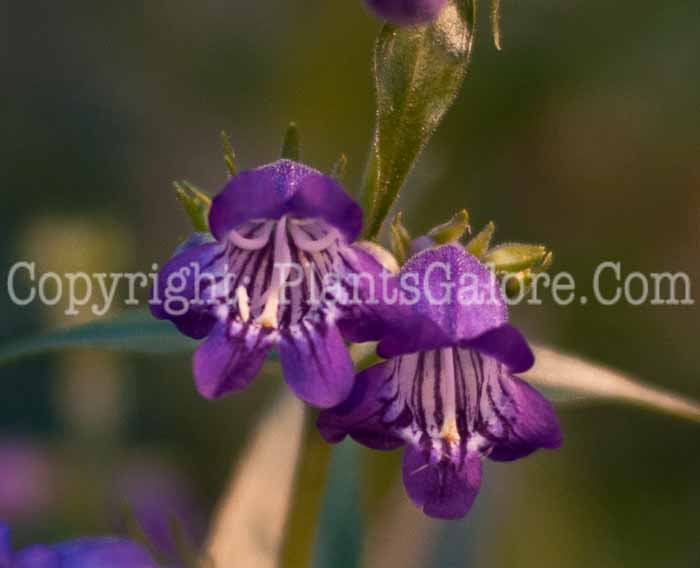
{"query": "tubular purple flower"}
(407, 12)
(26, 480)
(447, 390)
(106, 552)
(156, 496)
(282, 233)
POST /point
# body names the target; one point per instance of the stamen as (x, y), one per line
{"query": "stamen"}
(255, 243)
(308, 244)
(282, 258)
(243, 303)
(449, 432)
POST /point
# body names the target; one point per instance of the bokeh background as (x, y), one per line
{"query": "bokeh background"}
(582, 134)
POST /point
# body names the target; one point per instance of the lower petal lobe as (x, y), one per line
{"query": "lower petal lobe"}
(444, 489)
(361, 415)
(228, 361)
(316, 363)
(532, 423)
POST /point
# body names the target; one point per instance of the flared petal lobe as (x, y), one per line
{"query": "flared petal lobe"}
(363, 416)
(443, 489)
(407, 12)
(449, 298)
(505, 344)
(532, 423)
(284, 188)
(183, 293)
(316, 364)
(228, 361)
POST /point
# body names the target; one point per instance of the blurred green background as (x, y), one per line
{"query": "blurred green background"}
(582, 134)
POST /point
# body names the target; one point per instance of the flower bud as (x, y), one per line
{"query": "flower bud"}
(407, 12)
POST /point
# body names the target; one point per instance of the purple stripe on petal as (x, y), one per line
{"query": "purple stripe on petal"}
(316, 364)
(444, 489)
(225, 364)
(360, 416)
(182, 281)
(532, 422)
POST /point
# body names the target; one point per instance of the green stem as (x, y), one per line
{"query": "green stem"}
(309, 489)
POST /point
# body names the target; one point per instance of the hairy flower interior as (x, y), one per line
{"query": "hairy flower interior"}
(275, 272)
(449, 401)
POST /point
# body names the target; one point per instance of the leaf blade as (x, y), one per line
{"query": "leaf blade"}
(584, 379)
(135, 331)
(418, 71)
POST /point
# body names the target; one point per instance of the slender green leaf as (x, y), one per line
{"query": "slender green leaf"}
(134, 331)
(578, 379)
(418, 72)
(248, 527)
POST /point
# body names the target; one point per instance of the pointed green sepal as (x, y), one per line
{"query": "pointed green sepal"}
(196, 204)
(229, 154)
(480, 244)
(516, 257)
(340, 167)
(453, 230)
(518, 283)
(400, 239)
(291, 146)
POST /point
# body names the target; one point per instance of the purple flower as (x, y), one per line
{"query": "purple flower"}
(447, 390)
(282, 232)
(407, 12)
(26, 480)
(103, 552)
(157, 495)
